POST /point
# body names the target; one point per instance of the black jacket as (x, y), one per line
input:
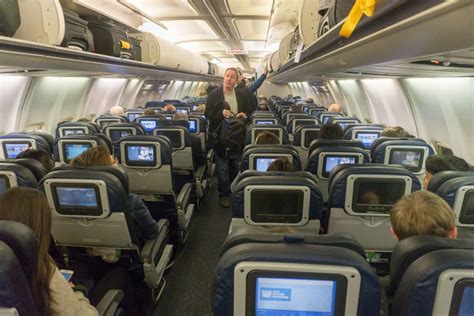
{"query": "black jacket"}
(214, 108)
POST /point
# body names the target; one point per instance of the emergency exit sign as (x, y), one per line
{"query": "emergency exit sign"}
(236, 52)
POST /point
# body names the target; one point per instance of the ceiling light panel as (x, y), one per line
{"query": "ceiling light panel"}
(164, 8)
(250, 7)
(252, 29)
(259, 46)
(204, 46)
(182, 30)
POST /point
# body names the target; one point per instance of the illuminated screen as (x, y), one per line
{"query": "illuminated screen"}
(264, 122)
(298, 297)
(116, 134)
(148, 125)
(132, 116)
(182, 110)
(462, 302)
(72, 150)
(75, 200)
(69, 132)
(268, 206)
(141, 155)
(262, 164)
(331, 161)
(410, 159)
(168, 117)
(367, 138)
(326, 118)
(192, 126)
(377, 195)
(12, 150)
(4, 184)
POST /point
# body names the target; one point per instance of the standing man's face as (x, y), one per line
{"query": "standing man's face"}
(230, 80)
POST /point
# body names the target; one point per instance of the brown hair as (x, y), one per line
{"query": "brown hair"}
(232, 69)
(30, 207)
(40, 156)
(267, 138)
(395, 131)
(281, 164)
(421, 213)
(149, 111)
(95, 156)
(331, 131)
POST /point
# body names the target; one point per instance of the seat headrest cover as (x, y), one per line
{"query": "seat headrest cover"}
(165, 146)
(223, 288)
(449, 189)
(21, 239)
(377, 151)
(410, 249)
(24, 176)
(91, 127)
(313, 160)
(440, 178)
(315, 144)
(41, 143)
(47, 137)
(33, 165)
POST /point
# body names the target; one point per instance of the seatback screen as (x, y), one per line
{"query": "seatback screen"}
(192, 126)
(140, 155)
(466, 216)
(262, 164)
(412, 159)
(367, 138)
(376, 195)
(104, 123)
(117, 134)
(132, 116)
(72, 150)
(77, 200)
(148, 125)
(282, 296)
(73, 131)
(462, 302)
(264, 122)
(12, 150)
(4, 184)
(173, 136)
(309, 136)
(331, 161)
(276, 206)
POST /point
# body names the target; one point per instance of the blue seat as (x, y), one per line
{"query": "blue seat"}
(254, 130)
(106, 120)
(152, 104)
(248, 266)
(68, 147)
(13, 174)
(295, 122)
(12, 144)
(360, 199)
(258, 157)
(116, 131)
(76, 128)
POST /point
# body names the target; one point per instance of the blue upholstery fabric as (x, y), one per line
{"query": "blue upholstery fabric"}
(41, 143)
(338, 179)
(223, 288)
(288, 179)
(91, 127)
(449, 189)
(165, 146)
(33, 165)
(47, 137)
(24, 177)
(377, 152)
(152, 104)
(313, 160)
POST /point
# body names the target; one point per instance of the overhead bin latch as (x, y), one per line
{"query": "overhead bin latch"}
(360, 7)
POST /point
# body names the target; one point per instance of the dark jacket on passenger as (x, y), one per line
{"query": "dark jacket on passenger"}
(252, 98)
(147, 227)
(199, 157)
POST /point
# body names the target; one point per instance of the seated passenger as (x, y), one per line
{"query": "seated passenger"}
(51, 292)
(84, 120)
(438, 163)
(40, 156)
(150, 112)
(395, 131)
(309, 101)
(117, 110)
(422, 213)
(200, 108)
(199, 157)
(296, 108)
(169, 108)
(100, 156)
(267, 138)
(281, 164)
(334, 107)
(331, 131)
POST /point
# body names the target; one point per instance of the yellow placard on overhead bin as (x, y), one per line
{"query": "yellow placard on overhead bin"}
(125, 45)
(366, 7)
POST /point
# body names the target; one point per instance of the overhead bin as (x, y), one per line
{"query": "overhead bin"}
(216, 70)
(160, 52)
(9, 17)
(275, 61)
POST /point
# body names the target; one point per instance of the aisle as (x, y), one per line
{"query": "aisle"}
(189, 282)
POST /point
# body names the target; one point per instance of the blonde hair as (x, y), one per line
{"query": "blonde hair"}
(95, 156)
(421, 213)
(395, 131)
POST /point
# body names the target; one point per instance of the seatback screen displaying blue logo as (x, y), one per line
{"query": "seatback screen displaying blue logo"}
(367, 138)
(263, 163)
(74, 197)
(295, 297)
(192, 126)
(4, 185)
(132, 116)
(72, 150)
(148, 125)
(13, 150)
(264, 122)
(73, 131)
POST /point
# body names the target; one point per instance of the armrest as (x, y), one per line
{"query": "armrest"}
(151, 247)
(199, 174)
(4, 311)
(210, 155)
(109, 303)
(182, 200)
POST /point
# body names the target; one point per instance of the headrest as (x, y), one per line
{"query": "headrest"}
(270, 150)
(441, 177)
(302, 121)
(327, 113)
(263, 114)
(339, 177)
(253, 173)
(449, 189)
(298, 133)
(33, 165)
(315, 144)
(21, 239)
(278, 179)
(99, 139)
(408, 141)
(165, 146)
(308, 254)
(315, 155)
(166, 131)
(350, 128)
(410, 249)
(123, 119)
(138, 128)
(173, 101)
(47, 137)
(41, 143)
(418, 288)
(246, 235)
(24, 177)
(90, 128)
(152, 104)
(258, 127)
(116, 192)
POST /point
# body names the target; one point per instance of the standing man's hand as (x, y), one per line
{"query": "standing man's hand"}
(227, 113)
(241, 115)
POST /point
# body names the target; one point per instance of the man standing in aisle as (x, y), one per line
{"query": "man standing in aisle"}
(216, 112)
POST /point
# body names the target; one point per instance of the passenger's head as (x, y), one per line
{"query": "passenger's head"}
(39, 155)
(231, 76)
(331, 131)
(94, 156)
(30, 207)
(267, 138)
(180, 116)
(281, 164)
(84, 120)
(149, 111)
(116, 110)
(422, 213)
(296, 108)
(169, 107)
(309, 100)
(395, 131)
(334, 107)
(200, 108)
(438, 163)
